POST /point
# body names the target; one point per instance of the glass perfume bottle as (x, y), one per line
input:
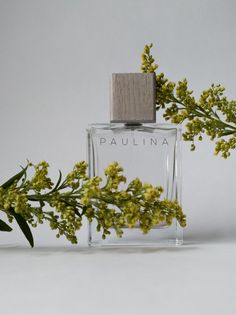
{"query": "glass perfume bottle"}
(143, 148)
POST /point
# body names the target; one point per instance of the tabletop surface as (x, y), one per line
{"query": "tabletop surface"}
(191, 279)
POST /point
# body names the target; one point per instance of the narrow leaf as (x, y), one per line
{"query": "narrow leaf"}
(58, 182)
(23, 226)
(4, 227)
(16, 177)
(227, 133)
(216, 115)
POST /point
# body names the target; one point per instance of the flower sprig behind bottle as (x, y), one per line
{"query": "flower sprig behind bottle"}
(64, 204)
(212, 114)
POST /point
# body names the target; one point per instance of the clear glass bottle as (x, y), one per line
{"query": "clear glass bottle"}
(148, 151)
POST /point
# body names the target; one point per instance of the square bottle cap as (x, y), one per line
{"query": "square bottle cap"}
(133, 98)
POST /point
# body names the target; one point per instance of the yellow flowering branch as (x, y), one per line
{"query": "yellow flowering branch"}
(36, 200)
(213, 114)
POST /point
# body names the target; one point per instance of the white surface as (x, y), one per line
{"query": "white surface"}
(189, 280)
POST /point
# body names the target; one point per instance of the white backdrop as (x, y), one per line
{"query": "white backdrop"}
(56, 58)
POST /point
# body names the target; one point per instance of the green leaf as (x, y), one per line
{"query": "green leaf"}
(227, 133)
(58, 182)
(23, 226)
(14, 178)
(4, 227)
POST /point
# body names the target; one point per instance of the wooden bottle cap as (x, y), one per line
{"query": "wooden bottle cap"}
(133, 97)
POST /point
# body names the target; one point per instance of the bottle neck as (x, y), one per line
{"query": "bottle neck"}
(132, 124)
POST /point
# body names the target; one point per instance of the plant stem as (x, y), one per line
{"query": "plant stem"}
(204, 114)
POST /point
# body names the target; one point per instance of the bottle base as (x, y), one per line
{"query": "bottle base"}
(168, 236)
(171, 243)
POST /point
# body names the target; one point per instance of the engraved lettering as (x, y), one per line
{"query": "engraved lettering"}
(102, 140)
(113, 141)
(165, 142)
(153, 141)
(124, 141)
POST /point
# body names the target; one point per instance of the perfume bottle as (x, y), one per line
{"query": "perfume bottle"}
(143, 148)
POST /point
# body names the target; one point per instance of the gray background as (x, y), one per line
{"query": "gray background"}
(56, 58)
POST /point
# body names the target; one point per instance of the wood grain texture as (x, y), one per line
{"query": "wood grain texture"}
(133, 97)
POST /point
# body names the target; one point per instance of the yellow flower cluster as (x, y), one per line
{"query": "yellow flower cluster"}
(13, 198)
(113, 208)
(213, 114)
(139, 205)
(114, 177)
(152, 193)
(78, 173)
(224, 146)
(148, 60)
(40, 179)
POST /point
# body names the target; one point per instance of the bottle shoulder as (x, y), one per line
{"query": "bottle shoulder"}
(127, 128)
